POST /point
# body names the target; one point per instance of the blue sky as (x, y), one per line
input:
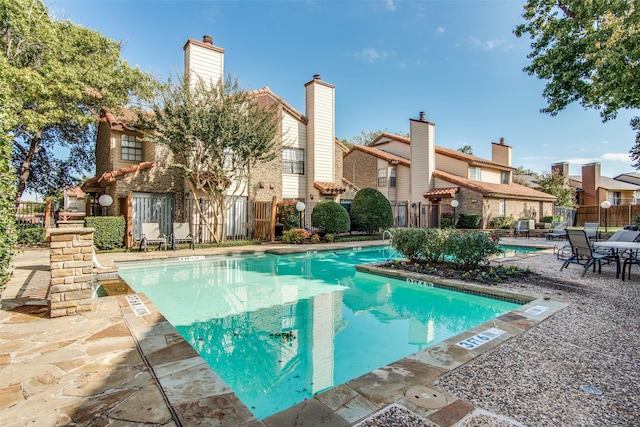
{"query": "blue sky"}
(456, 60)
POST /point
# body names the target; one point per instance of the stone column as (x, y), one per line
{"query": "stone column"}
(71, 259)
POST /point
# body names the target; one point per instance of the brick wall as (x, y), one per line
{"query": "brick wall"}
(361, 169)
(71, 264)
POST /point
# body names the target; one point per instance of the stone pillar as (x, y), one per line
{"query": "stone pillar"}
(71, 259)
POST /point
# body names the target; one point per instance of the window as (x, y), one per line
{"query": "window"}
(382, 177)
(504, 178)
(617, 198)
(392, 178)
(130, 148)
(293, 161)
(475, 174)
(501, 208)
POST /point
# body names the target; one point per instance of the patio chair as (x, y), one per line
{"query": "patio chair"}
(151, 234)
(630, 258)
(591, 228)
(521, 227)
(558, 231)
(181, 234)
(583, 253)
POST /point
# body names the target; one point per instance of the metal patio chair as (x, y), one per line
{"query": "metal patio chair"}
(583, 253)
(182, 234)
(521, 227)
(151, 235)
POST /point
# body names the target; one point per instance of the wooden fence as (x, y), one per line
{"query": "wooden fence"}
(615, 216)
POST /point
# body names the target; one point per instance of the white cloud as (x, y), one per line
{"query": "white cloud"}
(439, 30)
(489, 45)
(370, 55)
(391, 5)
(616, 157)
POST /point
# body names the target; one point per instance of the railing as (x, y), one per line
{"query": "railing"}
(30, 214)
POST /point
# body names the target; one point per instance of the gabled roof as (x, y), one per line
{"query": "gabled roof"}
(471, 159)
(96, 184)
(266, 91)
(391, 158)
(630, 178)
(123, 118)
(512, 191)
(609, 183)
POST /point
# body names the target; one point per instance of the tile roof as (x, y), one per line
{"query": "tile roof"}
(97, 183)
(513, 191)
(123, 118)
(609, 183)
(471, 159)
(440, 192)
(329, 188)
(391, 158)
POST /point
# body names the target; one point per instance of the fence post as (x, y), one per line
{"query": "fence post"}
(47, 218)
(272, 222)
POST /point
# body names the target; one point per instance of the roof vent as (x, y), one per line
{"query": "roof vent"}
(316, 77)
(207, 40)
(423, 116)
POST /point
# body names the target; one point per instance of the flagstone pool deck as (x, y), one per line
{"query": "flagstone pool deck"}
(111, 367)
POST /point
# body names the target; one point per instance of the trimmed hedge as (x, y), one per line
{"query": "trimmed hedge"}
(109, 232)
(469, 221)
(295, 236)
(330, 217)
(371, 211)
(501, 222)
(31, 236)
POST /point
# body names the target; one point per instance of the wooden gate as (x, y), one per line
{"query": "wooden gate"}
(260, 212)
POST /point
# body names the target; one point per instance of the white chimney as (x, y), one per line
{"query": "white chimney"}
(204, 60)
(320, 112)
(423, 156)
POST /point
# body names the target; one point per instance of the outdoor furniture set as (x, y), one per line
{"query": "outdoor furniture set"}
(151, 235)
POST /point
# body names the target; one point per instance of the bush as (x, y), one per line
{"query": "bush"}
(371, 211)
(295, 235)
(469, 221)
(288, 215)
(446, 220)
(7, 208)
(109, 231)
(421, 243)
(471, 248)
(315, 238)
(330, 217)
(31, 235)
(329, 237)
(501, 222)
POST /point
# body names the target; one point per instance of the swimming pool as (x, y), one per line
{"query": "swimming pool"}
(279, 329)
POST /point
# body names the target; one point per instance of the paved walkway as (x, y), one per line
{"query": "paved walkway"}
(111, 367)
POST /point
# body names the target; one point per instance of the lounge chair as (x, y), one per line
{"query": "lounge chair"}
(583, 253)
(521, 227)
(591, 228)
(558, 231)
(151, 234)
(181, 234)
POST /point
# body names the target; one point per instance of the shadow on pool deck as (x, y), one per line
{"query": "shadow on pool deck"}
(110, 366)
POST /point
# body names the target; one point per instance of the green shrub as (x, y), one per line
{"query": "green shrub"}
(469, 221)
(289, 216)
(330, 217)
(315, 238)
(109, 231)
(471, 248)
(31, 235)
(501, 222)
(371, 211)
(8, 232)
(329, 237)
(410, 242)
(446, 220)
(295, 235)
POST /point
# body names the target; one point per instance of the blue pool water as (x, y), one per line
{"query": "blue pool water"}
(279, 329)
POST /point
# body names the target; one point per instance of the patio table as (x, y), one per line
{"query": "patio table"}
(631, 248)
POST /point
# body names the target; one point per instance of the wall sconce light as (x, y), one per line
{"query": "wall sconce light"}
(310, 196)
(261, 184)
(474, 201)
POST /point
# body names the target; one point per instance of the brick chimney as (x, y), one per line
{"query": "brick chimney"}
(590, 184)
(501, 153)
(203, 59)
(423, 156)
(561, 169)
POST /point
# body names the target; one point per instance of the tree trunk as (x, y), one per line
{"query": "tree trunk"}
(25, 167)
